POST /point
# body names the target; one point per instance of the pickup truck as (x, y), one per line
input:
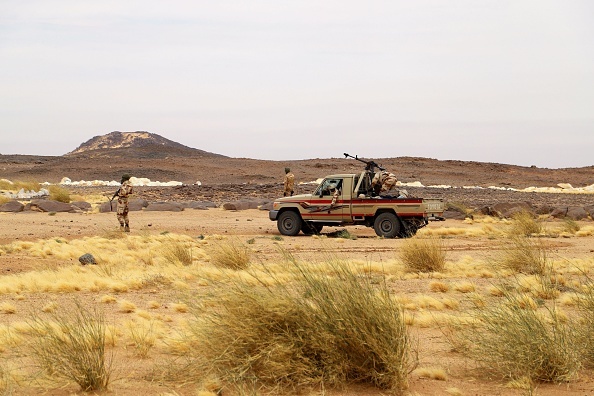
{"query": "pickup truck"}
(353, 204)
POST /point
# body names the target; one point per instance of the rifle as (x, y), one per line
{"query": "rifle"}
(370, 165)
(112, 198)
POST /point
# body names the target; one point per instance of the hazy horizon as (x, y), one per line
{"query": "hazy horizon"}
(472, 80)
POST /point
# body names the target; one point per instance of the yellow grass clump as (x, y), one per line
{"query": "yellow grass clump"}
(435, 373)
(287, 327)
(72, 346)
(423, 255)
(58, 193)
(439, 287)
(230, 254)
(126, 306)
(7, 308)
(464, 287)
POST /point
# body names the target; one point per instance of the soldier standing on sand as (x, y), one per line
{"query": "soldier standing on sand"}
(289, 182)
(122, 208)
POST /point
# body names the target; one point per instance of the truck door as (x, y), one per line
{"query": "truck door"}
(321, 207)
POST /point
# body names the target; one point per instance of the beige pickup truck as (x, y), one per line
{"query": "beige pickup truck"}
(353, 205)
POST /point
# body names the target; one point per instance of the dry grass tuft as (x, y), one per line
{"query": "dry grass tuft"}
(585, 304)
(571, 226)
(71, 345)
(524, 255)
(464, 287)
(58, 193)
(513, 340)
(432, 373)
(178, 252)
(7, 185)
(7, 308)
(439, 287)
(230, 254)
(423, 255)
(142, 336)
(525, 224)
(320, 328)
(127, 306)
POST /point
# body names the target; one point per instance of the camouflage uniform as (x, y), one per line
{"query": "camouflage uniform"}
(122, 207)
(335, 196)
(384, 179)
(289, 182)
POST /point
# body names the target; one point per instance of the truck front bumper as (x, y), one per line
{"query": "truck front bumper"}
(273, 214)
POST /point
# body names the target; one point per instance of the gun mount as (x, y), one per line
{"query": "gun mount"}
(369, 165)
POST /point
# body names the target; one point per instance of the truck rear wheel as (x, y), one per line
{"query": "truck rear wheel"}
(311, 228)
(387, 225)
(289, 223)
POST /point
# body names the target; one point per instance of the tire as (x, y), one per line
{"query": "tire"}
(311, 228)
(387, 225)
(289, 223)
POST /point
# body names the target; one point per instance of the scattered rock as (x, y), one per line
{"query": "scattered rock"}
(12, 206)
(577, 213)
(559, 213)
(454, 214)
(508, 209)
(134, 205)
(198, 205)
(82, 205)
(164, 207)
(244, 204)
(41, 205)
(87, 258)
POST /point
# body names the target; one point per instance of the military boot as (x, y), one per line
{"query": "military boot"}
(127, 228)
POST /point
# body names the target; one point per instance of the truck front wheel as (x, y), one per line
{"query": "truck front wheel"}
(289, 223)
(387, 225)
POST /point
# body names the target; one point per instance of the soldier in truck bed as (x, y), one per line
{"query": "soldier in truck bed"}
(382, 182)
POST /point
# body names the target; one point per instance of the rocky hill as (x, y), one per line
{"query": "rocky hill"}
(139, 144)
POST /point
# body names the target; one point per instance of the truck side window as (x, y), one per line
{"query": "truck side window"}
(326, 185)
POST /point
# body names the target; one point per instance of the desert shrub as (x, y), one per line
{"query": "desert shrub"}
(60, 194)
(525, 223)
(458, 207)
(17, 185)
(70, 343)
(570, 225)
(230, 254)
(514, 340)
(317, 329)
(344, 234)
(585, 304)
(142, 336)
(523, 255)
(178, 252)
(4, 199)
(423, 255)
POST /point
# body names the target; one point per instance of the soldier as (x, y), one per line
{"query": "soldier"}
(289, 182)
(122, 208)
(335, 190)
(383, 181)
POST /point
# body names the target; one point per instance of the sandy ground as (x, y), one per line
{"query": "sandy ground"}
(254, 224)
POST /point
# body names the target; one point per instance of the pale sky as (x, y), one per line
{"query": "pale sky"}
(507, 81)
